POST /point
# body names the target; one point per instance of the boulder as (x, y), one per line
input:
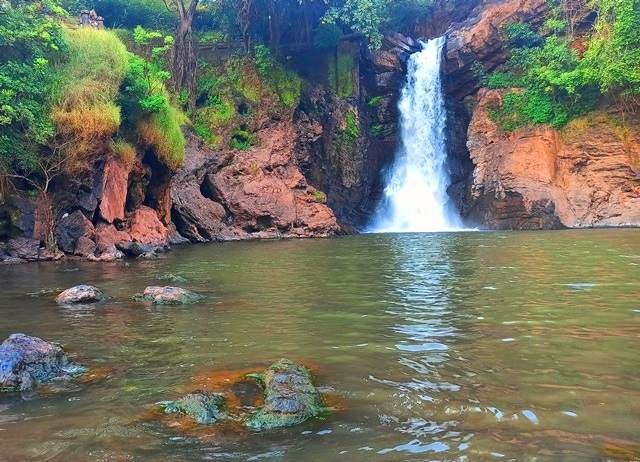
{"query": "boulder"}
(26, 361)
(168, 295)
(80, 295)
(290, 397)
(145, 227)
(24, 248)
(72, 227)
(84, 247)
(202, 406)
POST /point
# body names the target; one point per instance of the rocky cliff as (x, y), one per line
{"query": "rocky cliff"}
(584, 175)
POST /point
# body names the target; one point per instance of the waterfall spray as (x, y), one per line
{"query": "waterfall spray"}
(415, 196)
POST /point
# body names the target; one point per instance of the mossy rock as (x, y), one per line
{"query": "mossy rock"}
(168, 296)
(203, 407)
(290, 397)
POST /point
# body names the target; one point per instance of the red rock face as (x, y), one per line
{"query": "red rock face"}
(114, 191)
(587, 174)
(145, 227)
(259, 193)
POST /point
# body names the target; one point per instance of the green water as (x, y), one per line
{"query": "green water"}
(468, 346)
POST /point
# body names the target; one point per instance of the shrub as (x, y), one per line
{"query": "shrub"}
(375, 101)
(86, 115)
(377, 129)
(162, 132)
(30, 43)
(241, 140)
(125, 151)
(352, 130)
(320, 197)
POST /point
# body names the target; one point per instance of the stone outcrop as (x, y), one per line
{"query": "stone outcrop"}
(290, 397)
(259, 193)
(81, 294)
(27, 361)
(587, 174)
(480, 40)
(113, 190)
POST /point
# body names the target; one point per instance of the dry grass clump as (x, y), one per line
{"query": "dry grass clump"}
(85, 112)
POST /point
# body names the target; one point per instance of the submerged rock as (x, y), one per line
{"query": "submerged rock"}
(290, 397)
(80, 294)
(202, 406)
(26, 361)
(168, 295)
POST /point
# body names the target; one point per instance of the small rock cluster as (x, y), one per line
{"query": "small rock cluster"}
(290, 398)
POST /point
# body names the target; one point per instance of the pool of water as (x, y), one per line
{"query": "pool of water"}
(453, 346)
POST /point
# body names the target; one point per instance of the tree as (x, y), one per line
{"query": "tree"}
(183, 55)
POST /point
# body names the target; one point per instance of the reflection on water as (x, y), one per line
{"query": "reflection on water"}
(468, 346)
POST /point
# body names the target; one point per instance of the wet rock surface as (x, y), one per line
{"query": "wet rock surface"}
(27, 361)
(82, 294)
(168, 295)
(202, 406)
(290, 397)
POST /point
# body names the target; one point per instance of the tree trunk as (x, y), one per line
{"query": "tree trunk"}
(47, 217)
(183, 55)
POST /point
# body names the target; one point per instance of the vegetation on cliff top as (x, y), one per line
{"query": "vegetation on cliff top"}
(560, 72)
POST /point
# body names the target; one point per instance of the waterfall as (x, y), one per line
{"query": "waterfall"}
(415, 195)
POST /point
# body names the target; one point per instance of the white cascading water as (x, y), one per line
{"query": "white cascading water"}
(415, 196)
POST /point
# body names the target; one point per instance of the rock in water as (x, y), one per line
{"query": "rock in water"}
(169, 295)
(290, 397)
(80, 294)
(202, 406)
(26, 361)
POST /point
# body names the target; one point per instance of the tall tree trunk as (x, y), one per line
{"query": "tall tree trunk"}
(183, 55)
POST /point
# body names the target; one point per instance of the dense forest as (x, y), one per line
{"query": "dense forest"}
(82, 79)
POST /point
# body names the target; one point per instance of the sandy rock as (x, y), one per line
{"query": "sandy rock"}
(80, 295)
(290, 397)
(26, 361)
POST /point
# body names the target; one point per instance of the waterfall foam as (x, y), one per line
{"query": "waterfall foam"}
(415, 196)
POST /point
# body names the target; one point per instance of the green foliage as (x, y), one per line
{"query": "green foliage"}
(85, 113)
(320, 197)
(30, 45)
(340, 74)
(286, 84)
(556, 84)
(127, 13)
(377, 129)
(327, 36)
(520, 35)
(365, 16)
(241, 140)
(162, 131)
(612, 61)
(375, 101)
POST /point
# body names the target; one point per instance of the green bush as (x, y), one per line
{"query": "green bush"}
(352, 129)
(375, 101)
(556, 83)
(30, 46)
(241, 140)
